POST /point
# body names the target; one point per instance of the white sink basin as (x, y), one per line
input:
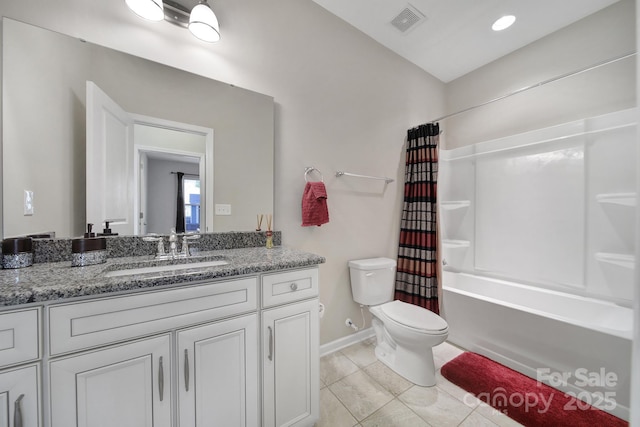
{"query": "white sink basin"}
(162, 268)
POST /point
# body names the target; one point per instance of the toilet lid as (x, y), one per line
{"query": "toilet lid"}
(414, 316)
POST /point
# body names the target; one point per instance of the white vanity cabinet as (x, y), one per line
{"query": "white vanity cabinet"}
(119, 357)
(238, 351)
(218, 380)
(290, 348)
(20, 391)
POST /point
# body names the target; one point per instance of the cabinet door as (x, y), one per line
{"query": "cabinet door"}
(20, 397)
(218, 374)
(123, 386)
(290, 358)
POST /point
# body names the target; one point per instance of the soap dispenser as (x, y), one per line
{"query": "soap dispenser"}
(89, 250)
(17, 252)
(89, 233)
(107, 231)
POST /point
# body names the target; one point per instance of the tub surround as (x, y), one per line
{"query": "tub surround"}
(553, 207)
(538, 236)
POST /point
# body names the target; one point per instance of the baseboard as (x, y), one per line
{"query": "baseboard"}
(343, 342)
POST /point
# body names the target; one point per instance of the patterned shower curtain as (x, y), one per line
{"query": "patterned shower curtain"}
(416, 277)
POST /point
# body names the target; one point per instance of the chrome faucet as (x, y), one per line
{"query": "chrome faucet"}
(173, 252)
(160, 253)
(185, 244)
(173, 247)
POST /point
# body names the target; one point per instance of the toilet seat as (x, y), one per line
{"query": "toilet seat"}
(414, 317)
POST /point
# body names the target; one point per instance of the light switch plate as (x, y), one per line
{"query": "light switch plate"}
(223, 209)
(28, 202)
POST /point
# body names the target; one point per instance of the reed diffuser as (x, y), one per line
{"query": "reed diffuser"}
(269, 232)
(259, 222)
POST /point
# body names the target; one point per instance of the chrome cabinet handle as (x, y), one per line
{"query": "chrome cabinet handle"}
(17, 412)
(294, 286)
(270, 343)
(161, 380)
(186, 369)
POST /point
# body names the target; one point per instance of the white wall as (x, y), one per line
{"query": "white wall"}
(599, 37)
(342, 102)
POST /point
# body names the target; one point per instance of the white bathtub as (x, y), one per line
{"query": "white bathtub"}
(579, 345)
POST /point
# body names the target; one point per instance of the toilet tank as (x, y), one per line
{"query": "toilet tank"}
(372, 280)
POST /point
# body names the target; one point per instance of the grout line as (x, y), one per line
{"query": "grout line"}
(463, 420)
(394, 397)
(344, 406)
(364, 372)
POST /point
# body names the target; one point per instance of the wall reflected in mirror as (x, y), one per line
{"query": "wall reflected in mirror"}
(44, 128)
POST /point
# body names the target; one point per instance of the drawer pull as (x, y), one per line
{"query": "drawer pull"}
(294, 286)
(161, 379)
(270, 343)
(186, 369)
(17, 412)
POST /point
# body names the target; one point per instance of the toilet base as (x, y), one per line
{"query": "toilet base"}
(420, 370)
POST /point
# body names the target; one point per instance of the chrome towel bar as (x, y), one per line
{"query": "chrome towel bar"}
(382, 178)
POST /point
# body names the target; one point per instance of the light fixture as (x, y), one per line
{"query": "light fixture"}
(203, 23)
(201, 20)
(503, 23)
(148, 9)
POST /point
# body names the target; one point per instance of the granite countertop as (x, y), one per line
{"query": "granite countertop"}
(55, 281)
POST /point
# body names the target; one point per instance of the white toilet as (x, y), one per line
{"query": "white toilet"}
(405, 333)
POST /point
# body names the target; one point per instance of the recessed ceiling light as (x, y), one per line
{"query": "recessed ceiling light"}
(503, 23)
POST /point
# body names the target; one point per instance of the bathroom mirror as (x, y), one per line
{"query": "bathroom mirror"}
(44, 129)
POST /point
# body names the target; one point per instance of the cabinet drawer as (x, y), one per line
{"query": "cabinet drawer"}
(19, 336)
(281, 288)
(102, 321)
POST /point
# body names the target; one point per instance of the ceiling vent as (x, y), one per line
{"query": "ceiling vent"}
(408, 19)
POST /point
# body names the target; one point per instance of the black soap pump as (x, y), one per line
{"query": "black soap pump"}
(107, 230)
(89, 233)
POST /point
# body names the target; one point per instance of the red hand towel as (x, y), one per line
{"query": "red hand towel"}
(314, 204)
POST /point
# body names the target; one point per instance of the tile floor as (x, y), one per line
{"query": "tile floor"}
(358, 390)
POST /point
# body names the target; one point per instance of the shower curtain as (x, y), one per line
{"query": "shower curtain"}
(416, 276)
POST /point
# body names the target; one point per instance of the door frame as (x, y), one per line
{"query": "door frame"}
(206, 166)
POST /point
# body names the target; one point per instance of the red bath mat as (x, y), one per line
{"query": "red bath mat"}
(524, 399)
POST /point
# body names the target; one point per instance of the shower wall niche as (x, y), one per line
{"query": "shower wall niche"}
(553, 207)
